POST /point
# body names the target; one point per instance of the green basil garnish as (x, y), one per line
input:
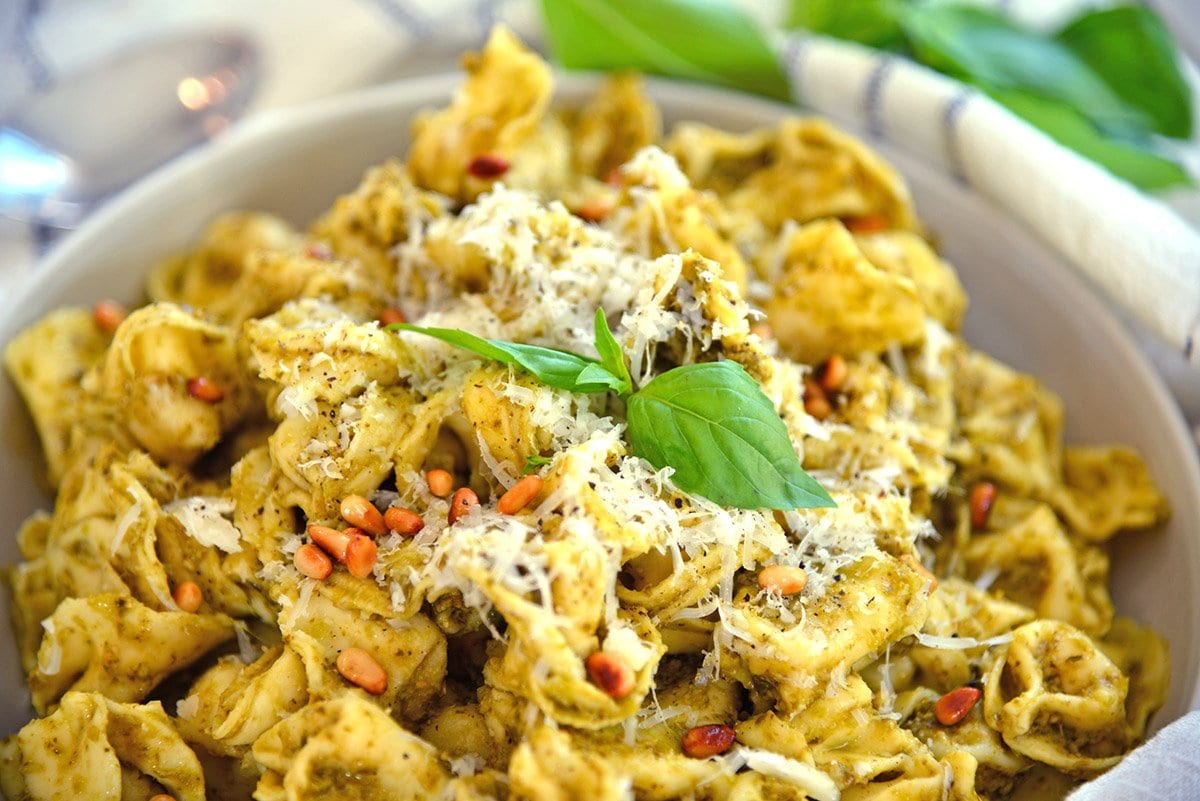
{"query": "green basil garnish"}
(710, 422)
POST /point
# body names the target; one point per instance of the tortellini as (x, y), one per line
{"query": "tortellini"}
(95, 747)
(296, 553)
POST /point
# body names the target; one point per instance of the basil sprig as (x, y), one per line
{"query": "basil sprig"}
(1106, 85)
(711, 422)
(711, 41)
(557, 368)
(714, 425)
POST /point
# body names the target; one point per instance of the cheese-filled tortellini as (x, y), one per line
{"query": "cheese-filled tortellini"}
(94, 747)
(333, 519)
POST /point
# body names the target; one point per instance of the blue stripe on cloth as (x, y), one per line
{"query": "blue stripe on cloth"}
(793, 65)
(406, 17)
(486, 14)
(873, 98)
(41, 77)
(950, 117)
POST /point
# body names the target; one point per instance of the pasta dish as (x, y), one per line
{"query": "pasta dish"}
(487, 485)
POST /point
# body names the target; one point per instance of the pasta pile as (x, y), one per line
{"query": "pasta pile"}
(197, 617)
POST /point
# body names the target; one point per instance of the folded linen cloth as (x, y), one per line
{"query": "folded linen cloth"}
(1167, 767)
(1131, 245)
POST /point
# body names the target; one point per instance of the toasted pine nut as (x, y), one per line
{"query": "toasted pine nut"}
(391, 314)
(519, 495)
(361, 513)
(108, 315)
(954, 705)
(188, 596)
(318, 250)
(702, 742)
(462, 502)
(816, 403)
(361, 554)
(782, 579)
(610, 674)
(916, 565)
(831, 375)
(312, 562)
(332, 541)
(595, 209)
(440, 482)
(360, 668)
(488, 165)
(870, 224)
(203, 388)
(403, 521)
(980, 500)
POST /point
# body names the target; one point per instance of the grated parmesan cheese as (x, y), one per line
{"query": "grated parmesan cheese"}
(813, 782)
(206, 520)
(127, 520)
(960, 643)
(53, 660)
(187, 708)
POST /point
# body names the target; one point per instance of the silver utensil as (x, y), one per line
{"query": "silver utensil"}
(65, 150)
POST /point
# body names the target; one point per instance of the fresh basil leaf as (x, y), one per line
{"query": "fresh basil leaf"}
(983, 48)
(556, 368)
(874, 23)
(611, 355)
(713, 424)
(1141, 167)
(533, 462)
(1131, 49)
(710, 41)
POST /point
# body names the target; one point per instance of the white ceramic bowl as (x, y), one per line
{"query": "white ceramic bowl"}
(1026, 308)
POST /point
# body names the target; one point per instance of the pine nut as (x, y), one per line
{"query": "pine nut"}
(108, 315)
(519, 495)
(815, 401)
(203, 388)
(594, 210)
(462, 502)
(360, 668)
(831, 375)
(916, 565)
(391, 314)
(488, 165)
(610, 674)
(361, 554)
(702, 742)
(312, 562)
(980, 500)
(403, 521)
(782, 579)
(361, 513)
(162, 797)
(872, 223)
(318, 250)
(954, 705)
(188, 596)
(440, 482)
(332, 541)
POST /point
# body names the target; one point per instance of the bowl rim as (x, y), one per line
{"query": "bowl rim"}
(49, 275)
